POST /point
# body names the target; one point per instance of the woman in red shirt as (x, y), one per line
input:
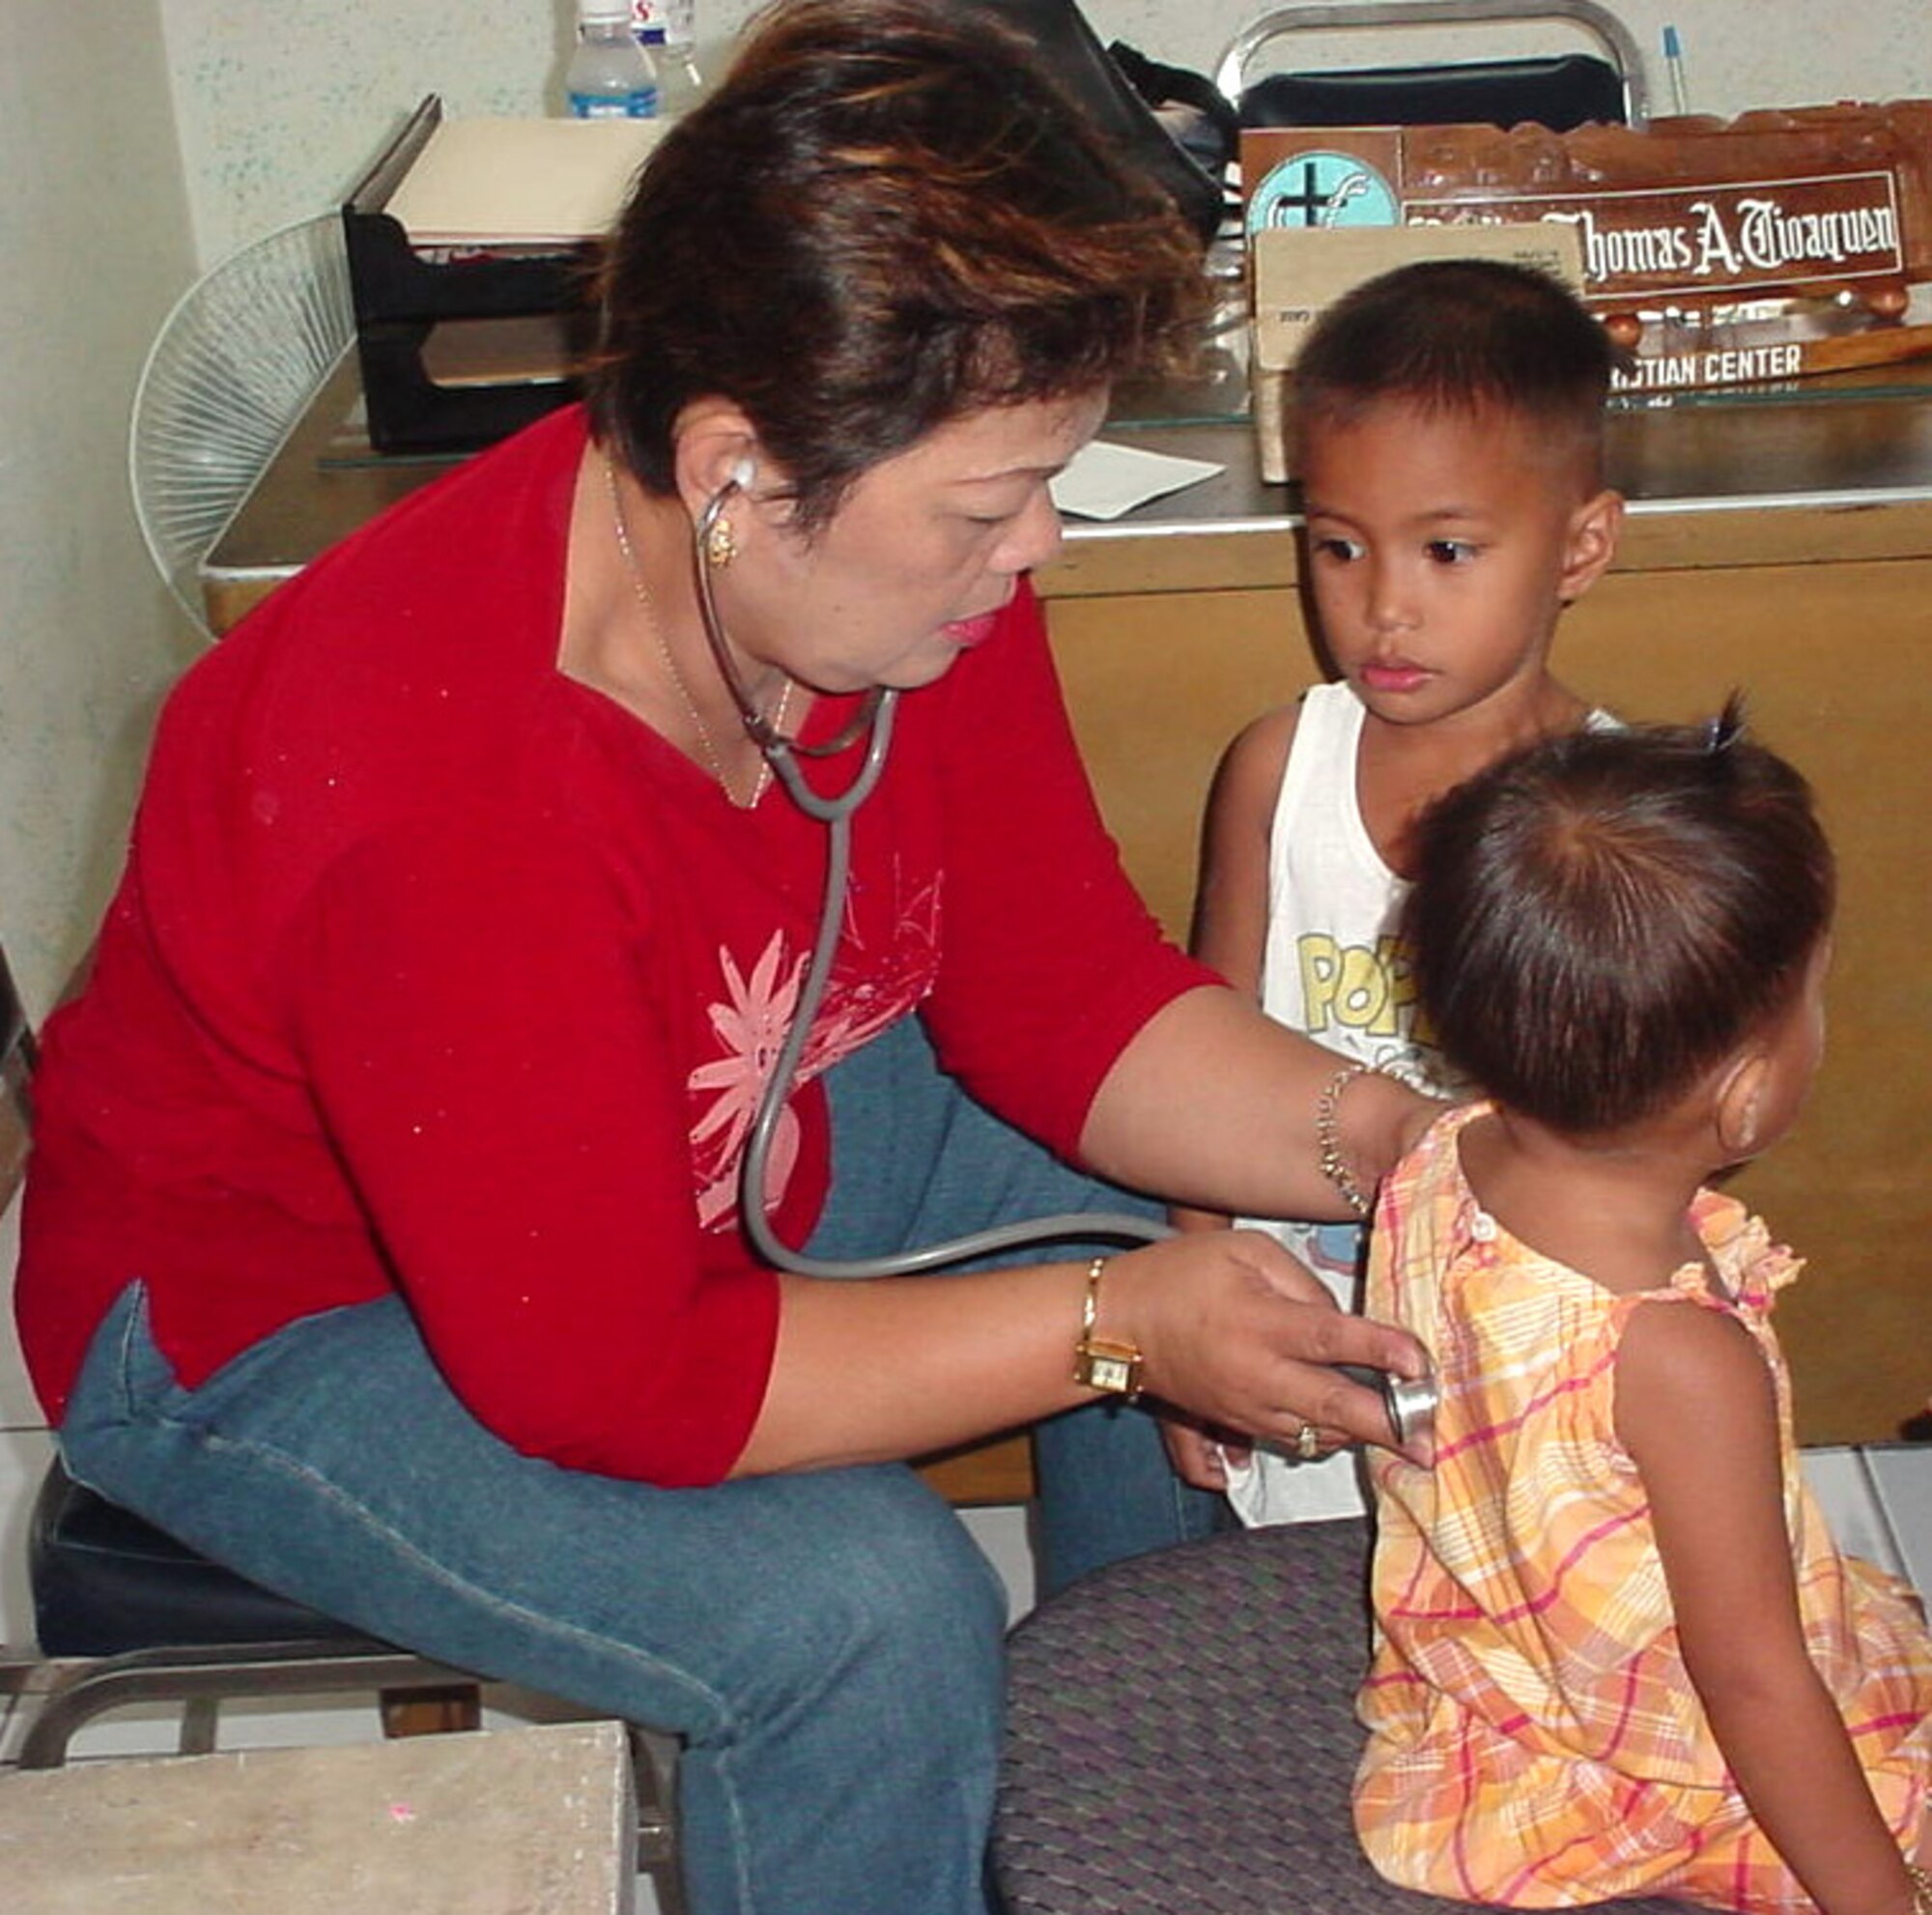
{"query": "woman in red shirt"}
(382, 1236)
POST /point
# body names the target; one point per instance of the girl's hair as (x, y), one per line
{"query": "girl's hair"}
(886, 217)
(1460, 336)
(1599, 919)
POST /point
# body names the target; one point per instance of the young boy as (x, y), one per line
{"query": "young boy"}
(1448, 420)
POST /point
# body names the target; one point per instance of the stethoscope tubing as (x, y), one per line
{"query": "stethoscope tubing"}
(874, 722)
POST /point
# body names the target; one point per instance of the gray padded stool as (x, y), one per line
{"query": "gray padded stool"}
(1181, 1737)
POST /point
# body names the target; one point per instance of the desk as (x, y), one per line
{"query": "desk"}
(1782, 545)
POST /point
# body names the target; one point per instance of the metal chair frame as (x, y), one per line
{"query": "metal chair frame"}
(200, 1676)
(1598, 22)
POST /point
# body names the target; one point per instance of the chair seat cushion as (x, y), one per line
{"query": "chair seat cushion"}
(104, 1582)
(1181, 1737)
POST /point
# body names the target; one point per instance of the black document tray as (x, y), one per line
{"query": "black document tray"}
(402, 297)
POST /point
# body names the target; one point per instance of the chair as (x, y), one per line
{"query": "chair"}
(1181, 1737)
(123, 1613)
(1560, 92)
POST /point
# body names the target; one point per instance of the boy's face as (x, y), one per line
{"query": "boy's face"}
(1442, 546)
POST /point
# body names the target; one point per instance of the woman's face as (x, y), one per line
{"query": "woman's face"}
(923, 550)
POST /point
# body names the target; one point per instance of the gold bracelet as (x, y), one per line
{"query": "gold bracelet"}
(1328, 1137)
(1921, 1888)
(1102, 1362)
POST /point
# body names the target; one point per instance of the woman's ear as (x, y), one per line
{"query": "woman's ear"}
(1738, 1108)
(716, 445)
(1591, 544)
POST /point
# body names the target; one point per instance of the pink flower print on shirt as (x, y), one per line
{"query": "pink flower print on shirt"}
(751, 1026)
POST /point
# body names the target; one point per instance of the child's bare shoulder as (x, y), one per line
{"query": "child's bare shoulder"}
(1257, 755)
(1675, 1351)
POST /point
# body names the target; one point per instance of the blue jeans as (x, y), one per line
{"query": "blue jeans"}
(828, 1643)
(917, 1161)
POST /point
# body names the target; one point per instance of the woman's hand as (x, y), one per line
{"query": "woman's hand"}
(1233, 1331)
(1238, 1335)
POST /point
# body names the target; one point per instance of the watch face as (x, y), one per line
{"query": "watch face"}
(1110, 1366)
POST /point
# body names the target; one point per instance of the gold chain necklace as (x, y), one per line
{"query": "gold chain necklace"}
(655, 625)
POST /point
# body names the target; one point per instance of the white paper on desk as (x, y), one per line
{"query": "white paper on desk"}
(1105, 480)
(521, 182)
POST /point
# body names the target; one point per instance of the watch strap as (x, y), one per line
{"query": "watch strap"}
(1109, 1365)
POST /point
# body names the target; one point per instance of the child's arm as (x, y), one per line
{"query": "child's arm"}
(1696, 1411)
(1230, 903)
(1230, 932)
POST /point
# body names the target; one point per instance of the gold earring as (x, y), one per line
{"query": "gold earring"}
(721, 544)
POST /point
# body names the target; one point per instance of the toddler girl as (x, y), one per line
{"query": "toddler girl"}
(1617, 1652)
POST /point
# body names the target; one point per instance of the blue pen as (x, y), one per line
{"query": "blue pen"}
(1673, 59)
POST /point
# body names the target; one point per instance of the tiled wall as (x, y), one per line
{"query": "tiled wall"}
(280, 107)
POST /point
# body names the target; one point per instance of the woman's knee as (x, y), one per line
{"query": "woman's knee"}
(891, 1597)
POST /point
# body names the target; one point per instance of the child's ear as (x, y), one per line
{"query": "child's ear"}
(1737, 1109)
(1592, 543)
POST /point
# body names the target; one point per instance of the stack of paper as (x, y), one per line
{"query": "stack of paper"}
(507, 182)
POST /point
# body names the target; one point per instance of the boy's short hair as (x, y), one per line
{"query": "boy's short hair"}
(1460, 337)
(1600, 918)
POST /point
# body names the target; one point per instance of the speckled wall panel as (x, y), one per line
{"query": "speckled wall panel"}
(279, 106)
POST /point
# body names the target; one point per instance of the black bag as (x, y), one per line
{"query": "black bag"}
(1560, 92)
(1070, 51)
(1188, 104)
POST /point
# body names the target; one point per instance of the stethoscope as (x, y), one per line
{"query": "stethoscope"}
(1409, 1404)
(874, 722)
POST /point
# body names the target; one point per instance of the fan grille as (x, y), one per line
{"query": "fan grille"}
(234, 362)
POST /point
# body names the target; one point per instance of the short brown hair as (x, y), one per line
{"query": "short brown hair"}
(886, 217)
(1460, 336)
(1600, 918)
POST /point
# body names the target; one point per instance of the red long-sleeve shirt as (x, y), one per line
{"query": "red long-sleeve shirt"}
(435, 970)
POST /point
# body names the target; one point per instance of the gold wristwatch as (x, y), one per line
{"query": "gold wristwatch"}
(1101, 1362)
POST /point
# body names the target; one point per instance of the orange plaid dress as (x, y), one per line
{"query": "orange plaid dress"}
(1534, 1737)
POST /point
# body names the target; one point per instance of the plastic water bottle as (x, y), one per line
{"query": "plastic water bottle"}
(609, 76)
(668, 30)
(679, 82)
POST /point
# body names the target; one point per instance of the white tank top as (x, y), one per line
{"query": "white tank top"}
(1330, 965)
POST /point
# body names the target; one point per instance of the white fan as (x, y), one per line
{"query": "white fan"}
(235, 363)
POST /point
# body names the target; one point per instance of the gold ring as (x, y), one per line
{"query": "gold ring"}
(1308, 1442)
